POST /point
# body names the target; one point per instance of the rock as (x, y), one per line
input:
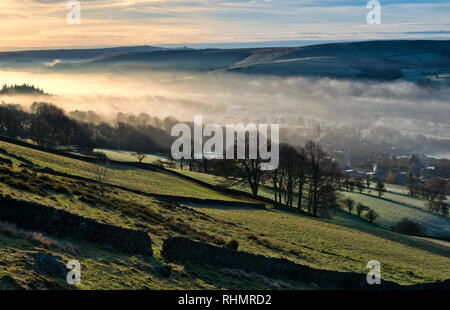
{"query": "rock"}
(163, 270)
(50, 264)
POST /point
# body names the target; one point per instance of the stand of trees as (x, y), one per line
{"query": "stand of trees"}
(50, 126)
(24, 89)
(434, 190)
(307, 173)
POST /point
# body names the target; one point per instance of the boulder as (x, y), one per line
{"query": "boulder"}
(50, 265)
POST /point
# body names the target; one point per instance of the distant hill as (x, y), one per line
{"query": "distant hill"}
(23, 89)
(42, 57)
(424, 62)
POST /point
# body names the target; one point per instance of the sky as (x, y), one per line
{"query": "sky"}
(42, 24)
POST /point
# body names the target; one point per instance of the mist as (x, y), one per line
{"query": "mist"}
(228, 97)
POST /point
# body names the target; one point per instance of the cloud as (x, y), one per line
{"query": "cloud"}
(42, 23)
(222, 98)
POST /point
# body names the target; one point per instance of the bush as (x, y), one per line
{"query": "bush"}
(371, 215)
(349, 204)
(360, 208)
(407, 227)
(232, 244)
(100, 156)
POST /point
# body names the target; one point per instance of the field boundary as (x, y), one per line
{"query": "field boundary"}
(169, 198)
(42, 218)
(185, 250)
(145, 166)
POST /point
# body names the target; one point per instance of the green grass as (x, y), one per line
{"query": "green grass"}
(110, 270)
(127, 156)
(328, 245)
(101, 269)
(393, 207)
(144, 180)
(344, 243)
(264, 191)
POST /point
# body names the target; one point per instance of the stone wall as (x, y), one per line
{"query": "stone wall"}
(45, 219)
(180, 249)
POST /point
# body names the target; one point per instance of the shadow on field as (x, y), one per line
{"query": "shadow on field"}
(222, 207)
(234, 279)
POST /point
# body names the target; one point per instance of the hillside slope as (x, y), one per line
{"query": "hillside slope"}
(426, 62)
(322, 244)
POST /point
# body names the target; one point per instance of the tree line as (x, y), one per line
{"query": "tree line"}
(307, 177)
(49, 125)
(434, 190)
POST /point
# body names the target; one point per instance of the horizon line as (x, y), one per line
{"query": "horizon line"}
(223, 45)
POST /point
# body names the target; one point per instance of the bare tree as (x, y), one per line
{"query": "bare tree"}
(371, 215)
(301, 175)
(360, 208)
(349, 203)
(368, 181)
(101, 172)
(323, 174)
(381, 188)
(140, 156)
(246, 171)
(359, 185)
(288, 167)
(277, 177)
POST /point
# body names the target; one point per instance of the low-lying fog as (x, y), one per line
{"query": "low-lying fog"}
(232, 98)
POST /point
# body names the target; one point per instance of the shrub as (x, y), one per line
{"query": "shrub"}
(371, 215)
(101, 156)
(408, 227)
(349, 204)
(360, 208)
(232, 244)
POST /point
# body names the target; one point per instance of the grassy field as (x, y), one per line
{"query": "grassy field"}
(102, 269)
(264, 191)
(127, 156)
(113, 270)
(344, 243)
(328, 245)
(144, 180)
(393, 207)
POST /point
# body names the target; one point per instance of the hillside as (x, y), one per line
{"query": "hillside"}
(21, 90)
(394, 205)
(425, 62)
(319, 243)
